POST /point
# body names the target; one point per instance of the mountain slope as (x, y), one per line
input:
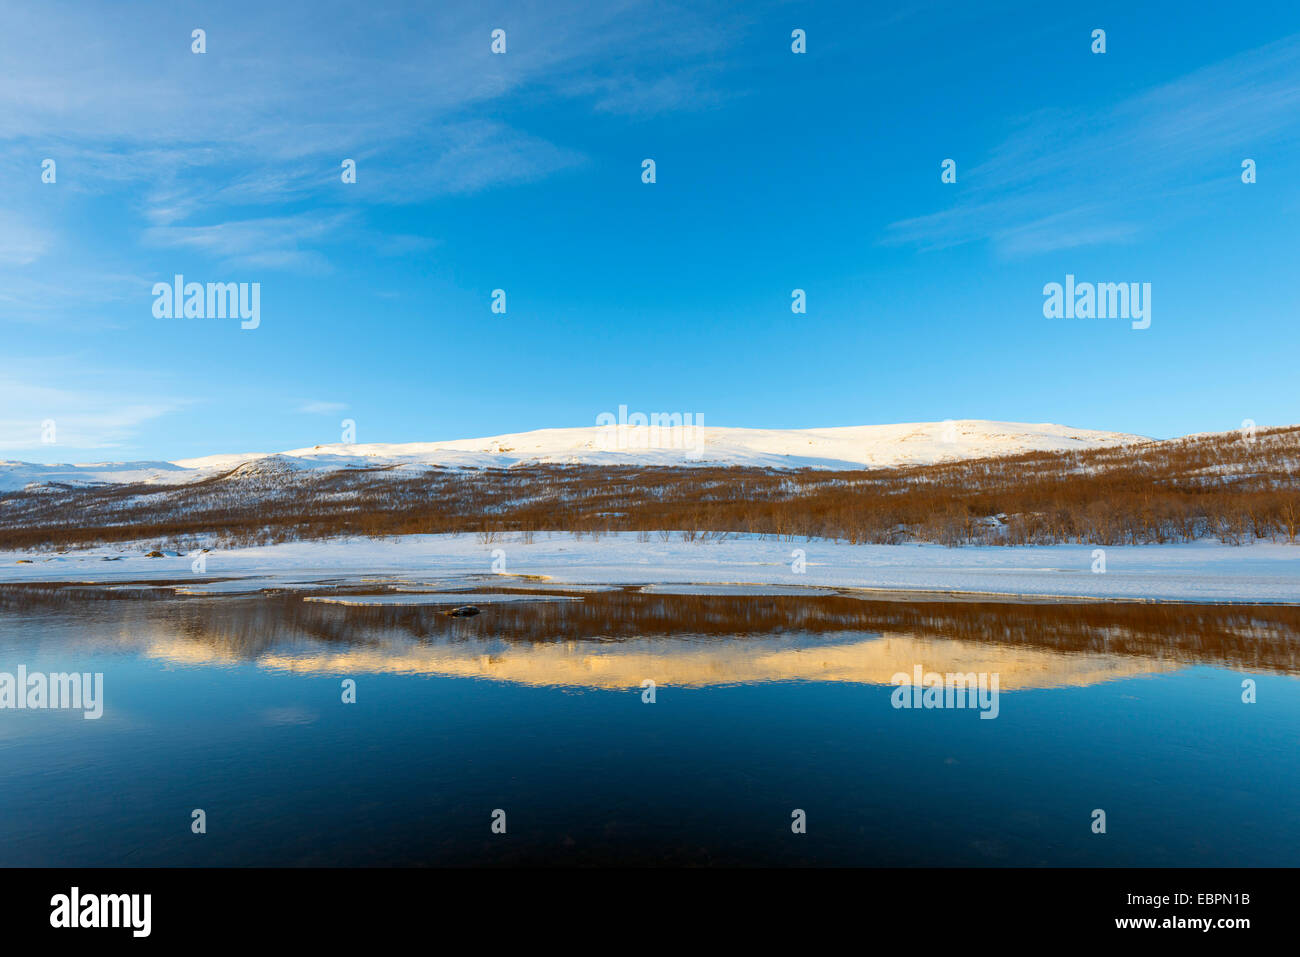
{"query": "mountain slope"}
(850, 447)
(1234, 487)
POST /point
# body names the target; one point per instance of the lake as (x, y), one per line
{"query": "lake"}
(771, 735)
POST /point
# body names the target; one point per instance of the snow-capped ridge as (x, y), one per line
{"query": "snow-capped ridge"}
(841, 447)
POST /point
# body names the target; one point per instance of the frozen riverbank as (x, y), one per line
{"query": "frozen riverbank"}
(1203, 572)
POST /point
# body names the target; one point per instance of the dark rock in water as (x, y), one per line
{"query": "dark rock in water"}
(463, 611)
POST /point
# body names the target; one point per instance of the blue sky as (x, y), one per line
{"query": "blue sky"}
(522, 172)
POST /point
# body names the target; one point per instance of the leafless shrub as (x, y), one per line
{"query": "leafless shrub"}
(1155, 492)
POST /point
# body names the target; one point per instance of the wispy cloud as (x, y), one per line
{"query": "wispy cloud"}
(21, 242)
(30, 298)
(281, 92)
(317, 407)
(76, 419)
(274, 242)
(220, 152)
(1071, 178)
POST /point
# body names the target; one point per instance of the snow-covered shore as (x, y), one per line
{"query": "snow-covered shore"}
(1199, 572)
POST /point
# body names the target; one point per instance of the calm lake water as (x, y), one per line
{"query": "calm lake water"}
(763, 705)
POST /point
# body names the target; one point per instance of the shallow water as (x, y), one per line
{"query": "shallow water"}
(763, 705)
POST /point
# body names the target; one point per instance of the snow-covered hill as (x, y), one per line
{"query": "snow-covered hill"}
(851, 447)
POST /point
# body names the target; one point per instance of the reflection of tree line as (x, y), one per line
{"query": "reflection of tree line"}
(1227, 486)
(1254, 637)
